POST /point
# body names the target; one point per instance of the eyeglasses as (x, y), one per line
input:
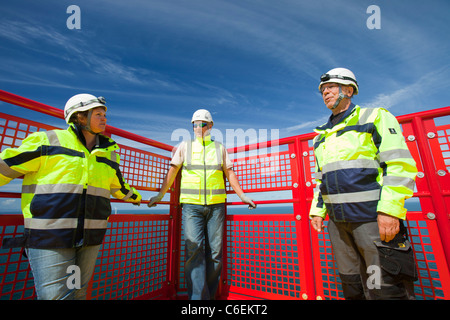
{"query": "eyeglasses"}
(201, 125)
(323, 88)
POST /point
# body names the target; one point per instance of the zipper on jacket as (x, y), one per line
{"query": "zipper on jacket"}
(204, 170)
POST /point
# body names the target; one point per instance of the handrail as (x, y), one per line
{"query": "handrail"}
(272, 143)
(58, 113)
(427, 114)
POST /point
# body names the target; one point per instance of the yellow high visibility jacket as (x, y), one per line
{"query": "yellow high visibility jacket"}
(66, 189)
(202, 180)
(363, 166)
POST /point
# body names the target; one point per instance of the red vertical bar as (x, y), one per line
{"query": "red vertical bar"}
(302, 218)
(175, 239)
(434, 186)
(224, 287)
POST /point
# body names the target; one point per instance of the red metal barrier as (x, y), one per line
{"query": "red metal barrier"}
(426, 230)
(269, 254)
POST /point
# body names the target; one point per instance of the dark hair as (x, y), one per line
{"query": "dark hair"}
(74, 117)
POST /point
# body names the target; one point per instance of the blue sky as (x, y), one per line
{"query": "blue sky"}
(253, 64)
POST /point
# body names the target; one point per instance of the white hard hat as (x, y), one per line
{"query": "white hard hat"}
(202, 115)
(82, 102)
(341, 76)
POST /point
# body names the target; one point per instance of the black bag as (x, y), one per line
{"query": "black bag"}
(397, 256)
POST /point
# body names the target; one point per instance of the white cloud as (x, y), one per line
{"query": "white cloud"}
(9, 202)
(411, 96)
(308, 124)
(74, 50)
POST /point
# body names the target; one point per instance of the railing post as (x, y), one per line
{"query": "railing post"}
(301, 216)
(224, 288)
(430, 171)
(175, 239)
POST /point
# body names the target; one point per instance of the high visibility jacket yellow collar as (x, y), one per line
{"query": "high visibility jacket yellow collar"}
(204, 140)
(66, 189)
(202, 180)
(329, 126)
(103, 143)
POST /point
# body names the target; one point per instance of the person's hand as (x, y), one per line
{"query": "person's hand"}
(247, 200)
(154, 200)
(388, 225)
(317, 223)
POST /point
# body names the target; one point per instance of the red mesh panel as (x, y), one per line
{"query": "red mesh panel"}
(264, 173)
(141, 169)
(433, 273)
(16, 279)
(14, 129)
(134, 258)
(443, 134)
(264, 256)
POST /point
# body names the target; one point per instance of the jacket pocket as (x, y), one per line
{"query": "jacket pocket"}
(191, 187)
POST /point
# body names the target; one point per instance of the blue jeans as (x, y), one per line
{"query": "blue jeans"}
(53, 273)
(203, 232)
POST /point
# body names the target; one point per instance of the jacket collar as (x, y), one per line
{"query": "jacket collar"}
(103, 142)
(207, 139)
(330, 125)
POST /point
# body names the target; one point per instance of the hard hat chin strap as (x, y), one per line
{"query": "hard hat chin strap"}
(339, 99)
(87, 127)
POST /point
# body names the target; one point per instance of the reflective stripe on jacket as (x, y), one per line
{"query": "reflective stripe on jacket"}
(202, 180)
(65, 187)
(363, 166)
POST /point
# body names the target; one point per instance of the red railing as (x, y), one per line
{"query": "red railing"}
(270, 252)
